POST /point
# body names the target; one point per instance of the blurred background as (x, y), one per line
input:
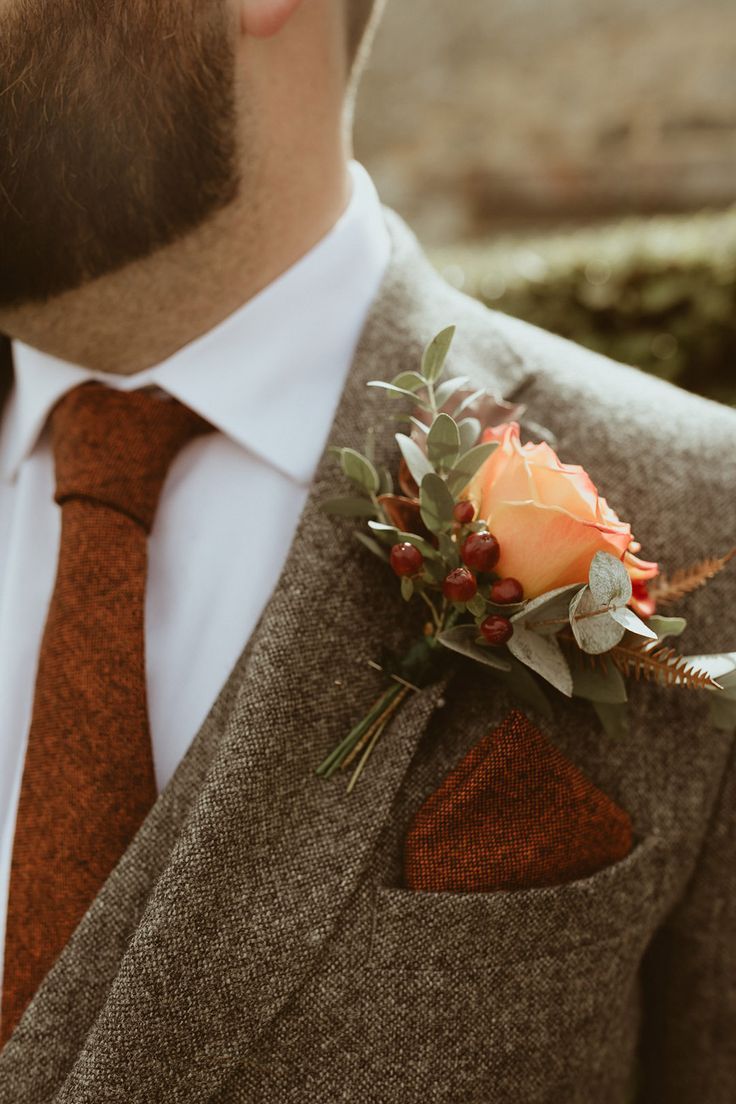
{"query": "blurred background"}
(572, 162)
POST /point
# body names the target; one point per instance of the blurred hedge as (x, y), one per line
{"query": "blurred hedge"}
(659, 293)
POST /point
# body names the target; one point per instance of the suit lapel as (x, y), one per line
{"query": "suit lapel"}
(228, 894)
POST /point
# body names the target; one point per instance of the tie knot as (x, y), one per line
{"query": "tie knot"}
(115, 447)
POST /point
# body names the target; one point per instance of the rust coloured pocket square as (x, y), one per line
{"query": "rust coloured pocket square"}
(515, 813)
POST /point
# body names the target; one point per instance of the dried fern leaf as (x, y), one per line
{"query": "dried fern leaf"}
(658, 663)
(688, 579)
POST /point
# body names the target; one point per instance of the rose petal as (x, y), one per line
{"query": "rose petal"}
(546, 547)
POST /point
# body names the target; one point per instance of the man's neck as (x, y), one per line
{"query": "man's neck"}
(137, 317)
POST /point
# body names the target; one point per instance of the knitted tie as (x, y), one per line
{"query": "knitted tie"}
(88, 779)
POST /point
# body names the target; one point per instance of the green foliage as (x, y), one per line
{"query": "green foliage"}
(659, 293)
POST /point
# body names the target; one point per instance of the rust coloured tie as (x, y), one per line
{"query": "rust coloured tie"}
(88, 779)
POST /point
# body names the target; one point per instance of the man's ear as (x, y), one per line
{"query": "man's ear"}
(264, 18)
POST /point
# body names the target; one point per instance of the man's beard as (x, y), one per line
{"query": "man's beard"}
(117, 135)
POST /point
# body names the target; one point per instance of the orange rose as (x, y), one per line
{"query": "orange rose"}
(548, 517)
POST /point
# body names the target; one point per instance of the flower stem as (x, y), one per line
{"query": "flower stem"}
(337, 757)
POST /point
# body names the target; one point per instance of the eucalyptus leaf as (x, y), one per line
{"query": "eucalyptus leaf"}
(349, 507)
(632, 623)
(443, 442)
(552, 606)
(409, 381)
(407, 588)
(436, 504)
(667, 626)
(360, 470)
(435, 354)
(372, 546)
(614, 718)
(416, 460)
(469, 429)
(544, 655)
(610, 582)
(594, 634)
(468, 465)
(464, 639)
(446, 390)
(597, 684)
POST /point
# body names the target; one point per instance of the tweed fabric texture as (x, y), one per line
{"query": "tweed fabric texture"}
(88, 780)
(256, 942)
(514, 814)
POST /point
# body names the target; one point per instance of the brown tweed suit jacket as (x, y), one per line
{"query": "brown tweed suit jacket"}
(254, 943)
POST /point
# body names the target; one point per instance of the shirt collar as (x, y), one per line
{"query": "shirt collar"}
(270, 375)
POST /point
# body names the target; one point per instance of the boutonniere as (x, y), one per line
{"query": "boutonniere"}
(522, 566)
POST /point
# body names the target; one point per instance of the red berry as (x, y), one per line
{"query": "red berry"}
(507, 591)
(460, 585)
(464, 513)
(496, 629)
(406, 559)
(481, 551)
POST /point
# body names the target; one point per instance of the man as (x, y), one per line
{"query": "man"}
(196, 286)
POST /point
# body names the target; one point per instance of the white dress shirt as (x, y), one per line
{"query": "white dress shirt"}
(268, 379)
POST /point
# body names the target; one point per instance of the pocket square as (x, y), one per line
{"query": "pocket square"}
(515, 813)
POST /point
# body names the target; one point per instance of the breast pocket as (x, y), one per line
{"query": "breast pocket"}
(532, 994)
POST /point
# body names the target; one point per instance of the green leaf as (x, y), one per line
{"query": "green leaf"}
(424, 547)
(610, 582)
(525, 687)
(416, 461)
(449, 550)
(614, 718)
(436, 504)
(469, 429)
(477, 606)
(446, 390)
(667, 626)
(393, 390)
(360, 470)
(409, 381)
(372, 546)
(632, 622)
(420, 425)
(435, 354)
(443, 442)
(598, 685)
(544, 655)
(387, 534)
(349, 507)
(464, 639)
(469, 400)
(722, 712)
(468, 465)
(594, 634)
(387, 482)
(370, 445)
(407, 588)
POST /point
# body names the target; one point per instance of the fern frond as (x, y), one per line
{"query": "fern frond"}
(683, 582)
(658, 663)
